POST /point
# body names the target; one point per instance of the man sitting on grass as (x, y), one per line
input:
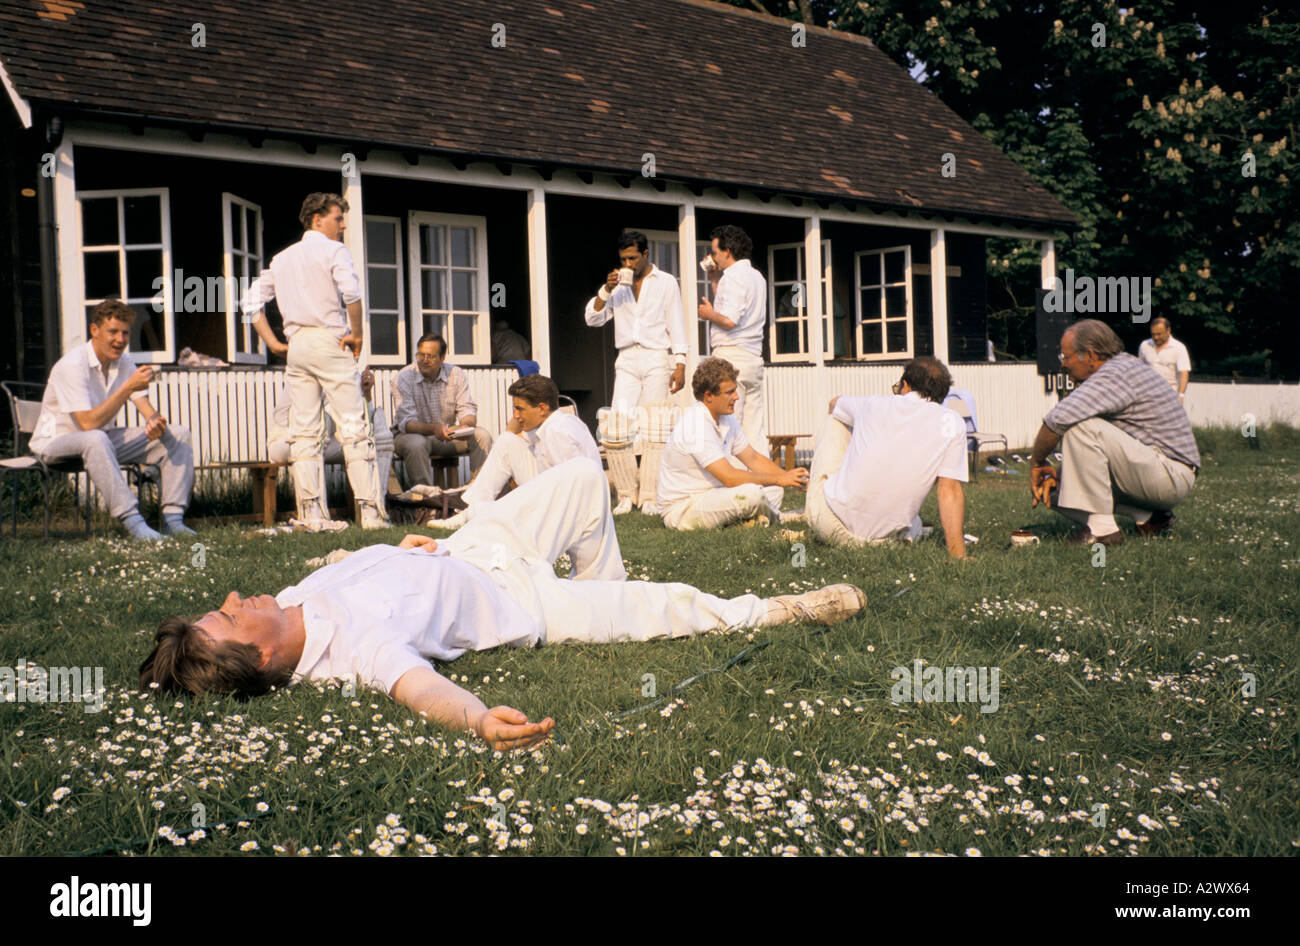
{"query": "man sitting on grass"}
(378, 615)
(711, 475)
(552, 437)
(1126, 442)
(877, 458)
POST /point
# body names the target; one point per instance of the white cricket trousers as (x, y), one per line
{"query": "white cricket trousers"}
(1104, 469)
(751, 411)
(713, 508)
(829, 448)
(641, 376)
(566, 509)
(317, 366)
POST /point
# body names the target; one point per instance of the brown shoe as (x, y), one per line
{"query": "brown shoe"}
(829, 605)
(1087, 538)
(1160, 523)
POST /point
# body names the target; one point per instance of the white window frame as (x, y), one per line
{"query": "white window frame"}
(235, 322)
(482, 330)
(702, 247)
(880, 318)
(805, 353)
(398, 264)
(167, 353)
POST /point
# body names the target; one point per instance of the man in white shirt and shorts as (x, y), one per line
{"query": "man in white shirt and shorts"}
(877, 458)
(315, 284)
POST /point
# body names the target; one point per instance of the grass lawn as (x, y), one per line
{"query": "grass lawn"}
(1145, 706)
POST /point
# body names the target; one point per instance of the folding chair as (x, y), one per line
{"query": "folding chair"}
(25, 413)
(975, 440)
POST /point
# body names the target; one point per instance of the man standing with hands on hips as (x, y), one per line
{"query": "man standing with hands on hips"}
(738, 315)
(650, 334)
(315, 284)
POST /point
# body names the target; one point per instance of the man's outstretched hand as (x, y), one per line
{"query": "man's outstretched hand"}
(1042, 480)
(416, 541)
(504, 728)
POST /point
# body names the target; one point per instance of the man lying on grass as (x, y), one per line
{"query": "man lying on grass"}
(379, 614)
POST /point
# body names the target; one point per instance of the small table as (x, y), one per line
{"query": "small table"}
(783, 443)
(264, 474)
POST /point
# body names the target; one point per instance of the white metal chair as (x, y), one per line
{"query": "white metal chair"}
(975, 440)
(25, 413)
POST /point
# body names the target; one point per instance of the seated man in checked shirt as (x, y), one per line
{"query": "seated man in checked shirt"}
(379, 615)
(1126, 442)
(538, 437)
(433, 400)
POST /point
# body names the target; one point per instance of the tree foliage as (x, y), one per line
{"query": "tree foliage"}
(1167, 127)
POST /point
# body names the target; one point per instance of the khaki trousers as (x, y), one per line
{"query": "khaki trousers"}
(1102, 466)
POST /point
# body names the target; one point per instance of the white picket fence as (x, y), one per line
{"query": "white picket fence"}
(227, 409)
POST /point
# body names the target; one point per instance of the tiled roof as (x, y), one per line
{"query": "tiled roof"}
(715, 93)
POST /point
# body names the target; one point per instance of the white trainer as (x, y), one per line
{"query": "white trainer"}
(624, 506)
(454, 521)
(650, 508)
(829, 605)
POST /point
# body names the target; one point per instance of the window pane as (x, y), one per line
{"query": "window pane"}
(871, 338)
(785, 265)
(143, 219)
(383, 334)
(896, 335)
(99, 221)
(437, 324)
(381, 242)
(789, 337)
(462, 246)
(252, 223)
(869, 269)
(142, 268)
(463, 344)
(432, 288)
(462, 290)
(147, 329)
(894, 268)
(870, 304)
(236, 228)
(896, 302)
(382, 284)
(432, 245)
(102, 277)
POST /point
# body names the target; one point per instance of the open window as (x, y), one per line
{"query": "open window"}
(883, 289)
(449, 283)
(787, 304)
(242, 263)
(126, 253)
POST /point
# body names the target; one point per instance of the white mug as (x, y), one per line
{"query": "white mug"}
(1022, 537)
(625, 277)
(708, 265)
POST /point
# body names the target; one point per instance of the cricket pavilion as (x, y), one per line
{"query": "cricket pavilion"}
(490, 153)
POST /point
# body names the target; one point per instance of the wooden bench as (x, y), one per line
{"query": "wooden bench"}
(265, 475)
(779, 444)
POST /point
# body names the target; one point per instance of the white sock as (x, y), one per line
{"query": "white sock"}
(1140, 516)
(1102, 524)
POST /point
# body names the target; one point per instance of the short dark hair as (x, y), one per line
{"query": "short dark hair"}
(1092, 335)
(112, 309)
(434, 337)
(633, 237)
(318, 203)
(536, 389)
(734, 240)
(709, 375)
(1161, 320)
(185, 660)
(928, 377)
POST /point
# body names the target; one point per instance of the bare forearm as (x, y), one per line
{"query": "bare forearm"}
(439, 700)
(1044, 444)
(263, 330)
(419, 427)
(1183, 377)
(952, 516)
(101, 414)
(354, 318)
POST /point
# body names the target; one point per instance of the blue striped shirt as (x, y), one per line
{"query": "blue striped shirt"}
(1129, 394)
